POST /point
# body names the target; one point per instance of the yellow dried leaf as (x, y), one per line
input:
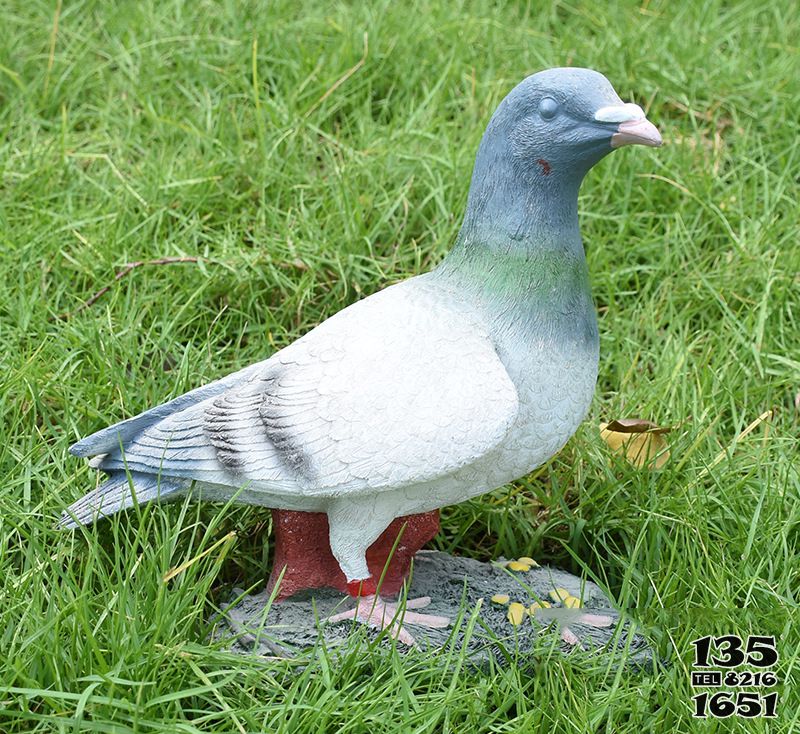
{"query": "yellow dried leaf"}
(538, 605)
(528, 561)
(641, 442)
(516, 613)
(559, 594)
(500, 599)
(517, 566)
(572, 602)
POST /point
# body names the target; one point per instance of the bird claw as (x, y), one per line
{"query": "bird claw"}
(595, 620)
(591, 620)
(391, 616)
(570, 637)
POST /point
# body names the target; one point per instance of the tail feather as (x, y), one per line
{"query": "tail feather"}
(115, 494)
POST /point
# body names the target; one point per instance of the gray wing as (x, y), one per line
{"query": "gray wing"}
(400, 388)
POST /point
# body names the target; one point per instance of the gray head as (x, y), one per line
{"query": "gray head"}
(560, 122)
(542, 139)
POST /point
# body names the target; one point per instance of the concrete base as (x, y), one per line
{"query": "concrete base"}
(456, 586)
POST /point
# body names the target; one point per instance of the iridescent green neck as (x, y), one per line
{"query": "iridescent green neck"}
(520, 283)
(519, 242)
(519, 257)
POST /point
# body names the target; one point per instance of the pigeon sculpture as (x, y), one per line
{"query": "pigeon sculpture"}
(434, 390)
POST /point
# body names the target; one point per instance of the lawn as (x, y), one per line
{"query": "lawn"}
(302, 156)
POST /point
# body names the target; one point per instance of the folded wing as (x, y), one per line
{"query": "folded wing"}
(400, 388)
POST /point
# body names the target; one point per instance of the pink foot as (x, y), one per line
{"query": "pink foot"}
(381, 614)
(593, 620)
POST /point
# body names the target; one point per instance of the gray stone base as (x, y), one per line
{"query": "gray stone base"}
(461, 589)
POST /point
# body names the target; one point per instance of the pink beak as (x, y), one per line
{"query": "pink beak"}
(636, 132)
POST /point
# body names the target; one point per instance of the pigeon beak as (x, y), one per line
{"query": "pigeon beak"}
(636, 132)
(633, 127)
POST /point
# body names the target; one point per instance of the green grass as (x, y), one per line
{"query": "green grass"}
(310, 154)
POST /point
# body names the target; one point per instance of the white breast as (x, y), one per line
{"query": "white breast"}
(555, 386)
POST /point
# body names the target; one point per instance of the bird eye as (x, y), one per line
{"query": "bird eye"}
(548, 108)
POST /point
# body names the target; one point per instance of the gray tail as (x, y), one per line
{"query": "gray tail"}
(115, 494)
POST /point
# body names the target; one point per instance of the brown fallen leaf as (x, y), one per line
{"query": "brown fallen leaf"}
(636, 425)
(640, 441)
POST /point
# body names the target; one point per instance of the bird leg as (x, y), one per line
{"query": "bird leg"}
(391, 616)
(303, 557)
(304, 560)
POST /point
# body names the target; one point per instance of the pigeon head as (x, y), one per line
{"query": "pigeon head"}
(540, 143)
(560, 122)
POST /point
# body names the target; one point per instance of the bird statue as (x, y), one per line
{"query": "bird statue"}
(434, 390)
